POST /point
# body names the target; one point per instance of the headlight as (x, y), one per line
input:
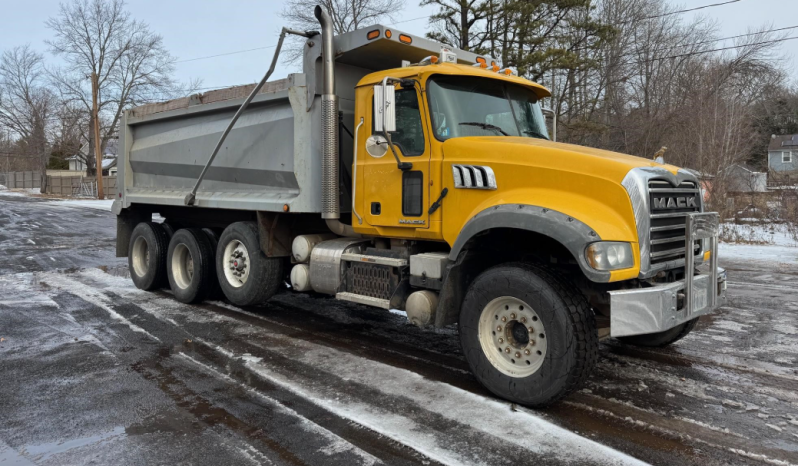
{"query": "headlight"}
(609, 255)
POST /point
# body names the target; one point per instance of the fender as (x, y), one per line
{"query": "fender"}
(570, 232)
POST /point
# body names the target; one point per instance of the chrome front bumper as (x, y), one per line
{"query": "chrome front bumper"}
(658, 308)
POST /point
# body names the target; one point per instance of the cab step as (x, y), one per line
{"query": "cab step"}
(363, 299)
(377, 260)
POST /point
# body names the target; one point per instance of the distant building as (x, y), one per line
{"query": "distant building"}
(77, 164)
(743, 179)
(783, 153)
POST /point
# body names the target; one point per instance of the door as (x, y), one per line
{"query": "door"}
(393, 197)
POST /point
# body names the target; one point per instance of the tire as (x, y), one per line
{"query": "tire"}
(557, 356)
(246, 275)
(190, 265)
(147, 256)
(661, 339)
(216, 289)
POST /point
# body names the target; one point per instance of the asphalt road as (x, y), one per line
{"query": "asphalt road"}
(94, 371)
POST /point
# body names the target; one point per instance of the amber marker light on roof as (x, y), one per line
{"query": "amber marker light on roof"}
(433, 60)
(388, 33)
(482, 61)
(495, 68)
(405, 38)
(373, 34)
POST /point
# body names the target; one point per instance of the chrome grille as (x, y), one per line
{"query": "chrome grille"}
(669, 207)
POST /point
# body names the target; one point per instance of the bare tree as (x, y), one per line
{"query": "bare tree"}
(25, 104)
(131, 62)
(460, 23)
(347, 15)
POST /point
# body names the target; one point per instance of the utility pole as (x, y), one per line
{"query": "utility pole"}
(95, 90)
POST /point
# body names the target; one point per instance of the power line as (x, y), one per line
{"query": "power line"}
(691, 9)
(710, 41)
(773, 41)
(226, 54)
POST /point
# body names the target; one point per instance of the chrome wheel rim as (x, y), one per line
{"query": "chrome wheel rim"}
(182, 266)
(512, 336)
(236, 263)
(141, 256)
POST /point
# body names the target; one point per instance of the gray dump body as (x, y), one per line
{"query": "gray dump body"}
(272, 157)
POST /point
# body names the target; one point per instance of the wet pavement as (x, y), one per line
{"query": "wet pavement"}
(95, 371)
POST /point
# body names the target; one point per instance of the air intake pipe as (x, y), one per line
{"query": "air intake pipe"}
(330, 202)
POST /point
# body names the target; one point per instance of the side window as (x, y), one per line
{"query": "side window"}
(409, 135)
(412, 193)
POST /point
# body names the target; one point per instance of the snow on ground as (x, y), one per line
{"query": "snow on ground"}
(778, 245)
(104, 204)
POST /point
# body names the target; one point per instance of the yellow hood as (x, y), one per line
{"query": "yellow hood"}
(550, 155)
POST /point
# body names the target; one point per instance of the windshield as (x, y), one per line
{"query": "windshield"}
(472, 106)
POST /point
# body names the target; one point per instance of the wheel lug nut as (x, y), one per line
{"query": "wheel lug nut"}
(531, 342)
(501, 340)
(512, 316)
(499, 328)
(523, 320)
(504, 319)
(531, 330)
(517, 354)
(507, 350)
(526, 352)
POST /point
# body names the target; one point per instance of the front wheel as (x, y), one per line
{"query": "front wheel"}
(528, 336)
(661, 339)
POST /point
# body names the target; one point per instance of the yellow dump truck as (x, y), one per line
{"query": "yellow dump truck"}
(398, 173)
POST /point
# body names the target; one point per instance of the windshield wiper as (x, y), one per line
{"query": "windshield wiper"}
(536, 134)
(484, 126)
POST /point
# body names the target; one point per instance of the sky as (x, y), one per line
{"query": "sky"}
(199, 28)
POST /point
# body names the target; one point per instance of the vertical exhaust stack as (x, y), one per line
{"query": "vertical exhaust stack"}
(330, 202)
(329, 122)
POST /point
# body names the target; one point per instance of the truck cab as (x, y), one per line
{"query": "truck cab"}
(402, 174)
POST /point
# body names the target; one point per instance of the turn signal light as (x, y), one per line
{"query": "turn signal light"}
(388, 33)
(405, 38)
(373, 34)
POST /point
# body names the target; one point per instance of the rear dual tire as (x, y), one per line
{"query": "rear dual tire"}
(190, 265)
(147, 256)
(246, 275)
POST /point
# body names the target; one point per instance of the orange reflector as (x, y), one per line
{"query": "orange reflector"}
(388, 33)
(495, 68)
(482, 61)
(285, 208)
(483, 66)
(405, 38)
(508, 71)
(373, 34)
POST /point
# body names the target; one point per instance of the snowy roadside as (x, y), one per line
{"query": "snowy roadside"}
(779, 246)
(104, 204)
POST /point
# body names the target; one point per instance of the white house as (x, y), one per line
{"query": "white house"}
(77, 164)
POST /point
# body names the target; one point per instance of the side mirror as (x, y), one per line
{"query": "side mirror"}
(384, 108)
(548, 111)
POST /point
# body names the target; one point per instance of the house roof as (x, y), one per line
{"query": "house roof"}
(788, 141)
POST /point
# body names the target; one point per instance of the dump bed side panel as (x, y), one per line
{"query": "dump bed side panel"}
(269, 154)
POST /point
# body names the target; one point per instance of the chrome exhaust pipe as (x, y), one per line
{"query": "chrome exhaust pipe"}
(330, 202)
(329, 122)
